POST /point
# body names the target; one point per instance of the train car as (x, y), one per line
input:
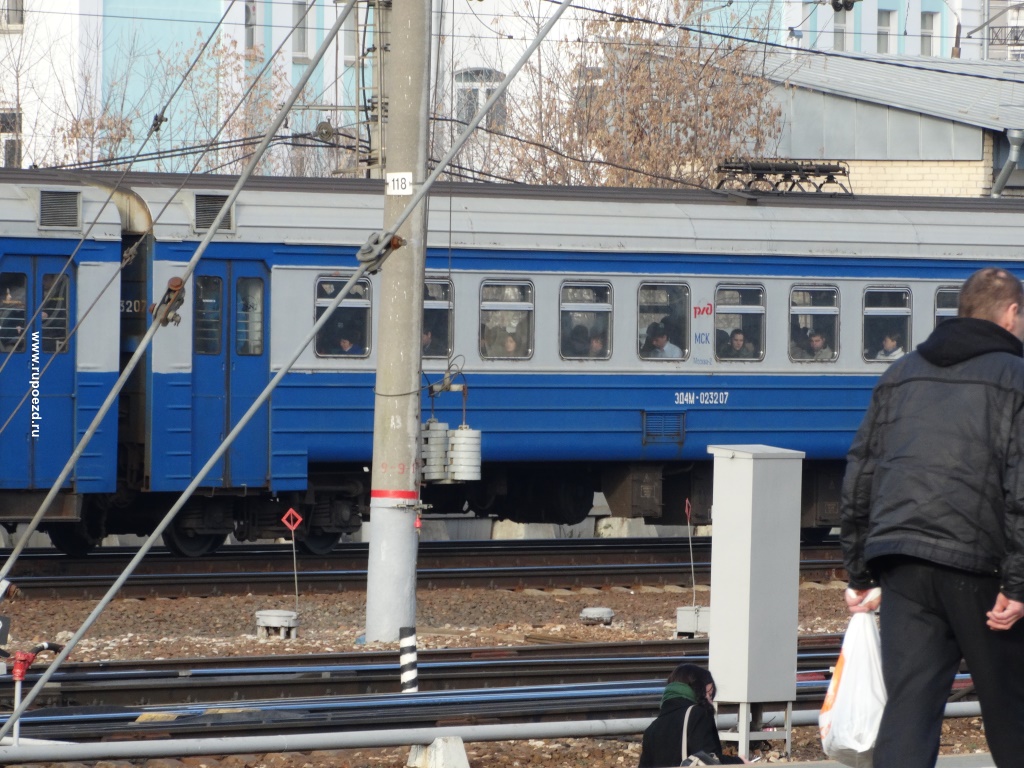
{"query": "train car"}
(606, 338)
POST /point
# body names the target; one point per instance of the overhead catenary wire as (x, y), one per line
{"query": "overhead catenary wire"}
(190, 268)
(158, 120)
(33, 524)
(376, 249)
(140, 350)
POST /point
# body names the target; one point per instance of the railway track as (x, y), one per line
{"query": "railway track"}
(441, 565)
(243, 678)
(224, 697)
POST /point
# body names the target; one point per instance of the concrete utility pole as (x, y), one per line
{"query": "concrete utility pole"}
(394, 492)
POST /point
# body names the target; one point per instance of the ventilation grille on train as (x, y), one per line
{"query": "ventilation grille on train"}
(207, 208)
(664, 427)
(59, 209)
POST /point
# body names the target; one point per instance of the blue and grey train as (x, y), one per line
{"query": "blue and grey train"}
(606, 338)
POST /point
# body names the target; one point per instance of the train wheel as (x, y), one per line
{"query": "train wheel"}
(186, 543)
(320, 542)
(571, 503)
(71, 539)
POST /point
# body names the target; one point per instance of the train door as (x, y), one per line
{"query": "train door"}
(37, 380)
(230, 367)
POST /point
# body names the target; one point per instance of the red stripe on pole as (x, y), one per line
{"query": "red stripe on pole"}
(393, 494)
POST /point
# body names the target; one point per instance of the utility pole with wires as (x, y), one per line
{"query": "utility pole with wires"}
(394, 490)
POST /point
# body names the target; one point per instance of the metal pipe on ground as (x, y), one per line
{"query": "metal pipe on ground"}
(38, 753)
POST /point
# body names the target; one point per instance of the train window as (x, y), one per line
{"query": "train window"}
(55, 313)
(813, 323)
(347, 332)
(739, 322)
(506, 320)
(13, 287)
(208, 318)
(249, 316)
(886, 323)
(947, 302)
(586, 319)
(437, 318)
(663, 308)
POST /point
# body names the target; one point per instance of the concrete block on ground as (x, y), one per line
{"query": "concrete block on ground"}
(624, 527)
(434, 530)
(443, 752)
(469, 528)
(36, 540)
(582, 530)
(506, 529)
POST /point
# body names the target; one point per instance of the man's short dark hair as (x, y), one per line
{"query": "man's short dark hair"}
(736, 332)
(988, 292)
(656, 331)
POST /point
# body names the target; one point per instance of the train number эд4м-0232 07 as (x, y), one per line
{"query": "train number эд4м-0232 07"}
(702, 398)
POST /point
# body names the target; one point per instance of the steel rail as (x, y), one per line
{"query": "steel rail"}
(317, 675)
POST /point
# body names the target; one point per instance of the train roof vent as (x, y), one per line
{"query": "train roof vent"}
(59, 209)
(207, 208)
(664, 427)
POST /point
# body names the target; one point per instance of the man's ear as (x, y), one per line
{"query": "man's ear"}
(1009, 319)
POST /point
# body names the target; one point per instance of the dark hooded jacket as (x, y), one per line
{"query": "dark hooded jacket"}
(936, 471)
(663, 739)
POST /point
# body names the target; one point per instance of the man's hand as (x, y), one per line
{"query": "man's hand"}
(863, 600)
(1004, 613)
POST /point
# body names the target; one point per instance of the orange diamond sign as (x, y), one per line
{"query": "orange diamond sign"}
(292, 519)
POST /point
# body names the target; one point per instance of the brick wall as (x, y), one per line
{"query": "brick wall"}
(949, 178)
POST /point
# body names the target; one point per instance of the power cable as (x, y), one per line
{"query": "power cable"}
(159, 320)
(807, 51)
(566, 156)
(158, 120)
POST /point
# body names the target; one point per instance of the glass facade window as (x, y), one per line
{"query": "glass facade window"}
(885, 24)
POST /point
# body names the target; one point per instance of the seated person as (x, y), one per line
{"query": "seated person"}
(597, 345)
(820, 350)
(578, 343)
(511, 347)
(350, 345)
(798, 343)
(690, 689)
(737, 348)
(892, 347)
(431, 347)
(657, 345)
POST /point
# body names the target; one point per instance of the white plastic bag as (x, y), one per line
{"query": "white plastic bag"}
(853, 706)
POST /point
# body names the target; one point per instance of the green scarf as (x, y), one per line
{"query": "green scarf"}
(678, 691)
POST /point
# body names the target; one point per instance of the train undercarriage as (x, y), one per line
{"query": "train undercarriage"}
(337, 502)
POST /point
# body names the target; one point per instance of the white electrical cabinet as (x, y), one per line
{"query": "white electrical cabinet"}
(755, 576)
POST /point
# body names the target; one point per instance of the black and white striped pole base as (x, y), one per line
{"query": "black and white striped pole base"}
(407, 659)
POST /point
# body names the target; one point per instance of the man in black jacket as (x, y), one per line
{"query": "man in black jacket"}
(933, 512)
